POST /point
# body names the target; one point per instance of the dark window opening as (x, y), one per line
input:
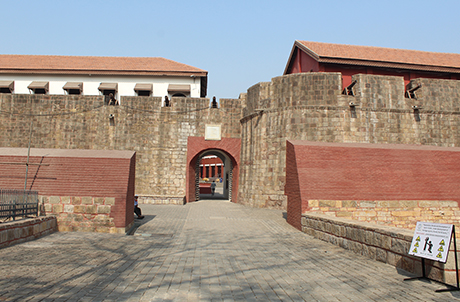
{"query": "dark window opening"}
(5, 90)
(39, 91)
(106, 94)
(74, 91)
(179, 95)
(143, 93)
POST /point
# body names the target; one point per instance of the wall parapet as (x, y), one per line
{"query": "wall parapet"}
(23, 230)
(382, 243)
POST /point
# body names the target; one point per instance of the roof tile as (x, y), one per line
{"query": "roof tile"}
(381, 54)
(64, 64)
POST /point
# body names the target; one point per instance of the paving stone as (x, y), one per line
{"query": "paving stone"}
(204, 251)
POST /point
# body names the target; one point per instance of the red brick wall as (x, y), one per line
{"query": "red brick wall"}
(196, 145)
(75, 173)
(334, 171)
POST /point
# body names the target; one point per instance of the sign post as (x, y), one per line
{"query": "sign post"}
(432, 241)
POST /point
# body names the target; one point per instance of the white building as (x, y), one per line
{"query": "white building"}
(85, 75)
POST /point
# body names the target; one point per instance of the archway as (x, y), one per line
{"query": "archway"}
(227, 150)
(213, 166)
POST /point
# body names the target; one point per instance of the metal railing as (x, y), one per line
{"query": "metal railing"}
(18, 203)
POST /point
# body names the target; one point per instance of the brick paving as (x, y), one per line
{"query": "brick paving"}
(204, 251)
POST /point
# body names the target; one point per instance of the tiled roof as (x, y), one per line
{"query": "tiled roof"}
(95, 65)
(380, 56)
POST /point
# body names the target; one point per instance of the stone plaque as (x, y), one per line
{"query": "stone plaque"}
(212, 133)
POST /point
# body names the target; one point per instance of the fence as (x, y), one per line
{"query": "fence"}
(18, 203)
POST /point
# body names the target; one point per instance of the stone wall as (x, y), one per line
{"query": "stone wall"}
(382, 243)
(83, 213)
(306, 106)
(311, 106)
(157, 134)
(395, 213)
(22, 230)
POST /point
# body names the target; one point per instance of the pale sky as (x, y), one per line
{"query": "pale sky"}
(240, 43)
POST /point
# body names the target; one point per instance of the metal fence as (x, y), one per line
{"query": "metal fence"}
(18, 203)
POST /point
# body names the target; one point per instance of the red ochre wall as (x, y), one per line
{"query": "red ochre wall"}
(76, 174)
(368, 172)
(304, 63)
(197, 145)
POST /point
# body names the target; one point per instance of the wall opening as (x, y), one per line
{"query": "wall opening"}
(225, 151)
(213, 166)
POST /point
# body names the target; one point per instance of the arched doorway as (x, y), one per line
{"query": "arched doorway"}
(213, 166)
(227, 150)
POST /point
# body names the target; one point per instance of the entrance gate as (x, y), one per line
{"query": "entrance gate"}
(228, 150)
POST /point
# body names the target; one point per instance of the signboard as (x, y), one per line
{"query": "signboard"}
(431, 241)
(212, 133)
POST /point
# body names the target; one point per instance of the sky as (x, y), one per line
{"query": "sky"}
(239, 43)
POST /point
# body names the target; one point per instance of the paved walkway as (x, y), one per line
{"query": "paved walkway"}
(205, 251)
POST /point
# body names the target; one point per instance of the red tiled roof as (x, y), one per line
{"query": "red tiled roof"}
(95, 65)
(380, 56)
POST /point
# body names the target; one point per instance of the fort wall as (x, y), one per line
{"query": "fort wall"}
(311, 106)
(158, 134)
(305, 106)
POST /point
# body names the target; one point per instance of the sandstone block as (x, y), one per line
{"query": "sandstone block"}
(313, 203)
(344, 214)
(429, 204)
(400, 246)
(349, 203)
(55, 199)
(3, 236)
(98, 200)
(57, 208)
(110, 201)
(92, 209)
(409, 203)
(86, 200)
(369, 251)
(449, 204)
(64, 228)
(48, 207)
(328, 203)
(75, 200)
(382, 241)
(367, 204)
(405, 213)
(387, 204)
(79, 209)
(68, 208)
(103, 209)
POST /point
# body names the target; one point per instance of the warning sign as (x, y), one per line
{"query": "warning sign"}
(431, 241)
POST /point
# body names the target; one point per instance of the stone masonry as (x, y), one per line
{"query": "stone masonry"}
(157, 134)
(306, 106)
(310, 106)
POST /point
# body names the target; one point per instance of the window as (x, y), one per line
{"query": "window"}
(39, 87)
(143, 89)
(6, 86)
(73, 87)
(106, 89)
(179, 90)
